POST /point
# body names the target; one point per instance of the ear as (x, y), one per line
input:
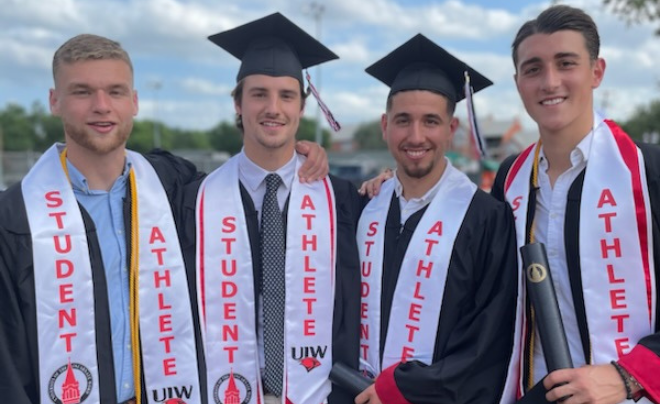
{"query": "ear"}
(52, 102)
(598, 72)
(383, 126)
(136, 106)
(453, 125)
(237, 108)
(515, 80)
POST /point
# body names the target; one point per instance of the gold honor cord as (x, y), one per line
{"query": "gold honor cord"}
(535, 188)
(134, 289)
(64, 167)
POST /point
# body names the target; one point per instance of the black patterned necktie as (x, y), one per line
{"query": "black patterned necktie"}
(273, 285)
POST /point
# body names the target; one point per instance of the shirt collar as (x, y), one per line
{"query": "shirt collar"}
(428, 196)
(580, 154)
(253, 175)
(79, 182)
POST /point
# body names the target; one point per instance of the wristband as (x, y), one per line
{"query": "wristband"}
(626, 382)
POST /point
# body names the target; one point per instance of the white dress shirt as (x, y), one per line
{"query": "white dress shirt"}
(549, 229)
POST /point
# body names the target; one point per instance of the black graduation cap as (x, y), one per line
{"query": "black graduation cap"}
(274, 46)
(420, 64)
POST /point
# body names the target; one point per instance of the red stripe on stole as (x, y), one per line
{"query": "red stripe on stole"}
(200, 229)
(513, 171)
(628, 151)
(332, 229)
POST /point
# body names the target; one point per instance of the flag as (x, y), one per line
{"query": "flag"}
(513, 129)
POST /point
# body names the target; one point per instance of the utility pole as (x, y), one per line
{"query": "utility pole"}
(2, 155)
(316, 10)
(156, 85)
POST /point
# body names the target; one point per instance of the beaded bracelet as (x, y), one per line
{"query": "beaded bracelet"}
(626, 383)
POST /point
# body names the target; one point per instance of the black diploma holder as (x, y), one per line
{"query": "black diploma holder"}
(349, 379)
(543, 299)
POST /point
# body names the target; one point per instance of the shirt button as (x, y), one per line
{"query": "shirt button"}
(128, 347)
(127, 386)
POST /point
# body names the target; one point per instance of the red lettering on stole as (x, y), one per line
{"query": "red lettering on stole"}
(163, 282)
(424, 270)
(611, 249)
(365, 289)
(515, 204)
(229, 288)
(309, 242)
(67, 318)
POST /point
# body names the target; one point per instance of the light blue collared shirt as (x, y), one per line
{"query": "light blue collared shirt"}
(106, 210)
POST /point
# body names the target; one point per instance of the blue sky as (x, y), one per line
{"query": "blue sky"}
(167, 42)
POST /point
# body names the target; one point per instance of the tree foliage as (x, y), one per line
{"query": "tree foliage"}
(37, 130)
(307, 131)
(227, 137)
(636, 11)
(645, 120)
(29, 130)
(369, 136)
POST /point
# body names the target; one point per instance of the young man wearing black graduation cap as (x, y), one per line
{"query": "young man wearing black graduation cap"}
(273, 262)
(437, 254)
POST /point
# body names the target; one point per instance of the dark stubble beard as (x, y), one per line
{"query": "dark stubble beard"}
(418, 171)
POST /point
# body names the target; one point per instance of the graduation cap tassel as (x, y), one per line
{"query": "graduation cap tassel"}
(478, 142)
(326, 111)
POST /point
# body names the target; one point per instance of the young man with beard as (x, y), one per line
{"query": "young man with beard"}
(437, 255)
(93, 289)
(592, 196)
(272, 262)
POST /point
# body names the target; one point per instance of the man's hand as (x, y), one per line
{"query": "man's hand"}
(368, 396)
(372, 187)
(316, 165)
(591, 384)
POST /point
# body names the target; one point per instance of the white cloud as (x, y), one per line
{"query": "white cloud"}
(355, 51)
(167, 41)
(199, 114)
(204, 87)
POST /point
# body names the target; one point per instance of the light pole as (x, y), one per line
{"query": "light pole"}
(2, 173)
(316, 11)
(156, 85)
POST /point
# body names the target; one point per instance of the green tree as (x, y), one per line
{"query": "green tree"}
(227, 137)
(369, 136)
(307, 131)
(188, 139)
(636, 11)
(18, 130)
(142, 136)
(646, 119)
(48, 129)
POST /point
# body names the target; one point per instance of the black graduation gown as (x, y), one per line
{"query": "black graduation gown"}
(651, 155)
(19, 366)
(346, 320)
(475, 333)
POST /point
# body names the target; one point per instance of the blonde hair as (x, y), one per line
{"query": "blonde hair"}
(89, 47)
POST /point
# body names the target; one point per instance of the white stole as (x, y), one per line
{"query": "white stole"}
(616, 240)
(413, 322)
(68, 365)
(226, 296)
